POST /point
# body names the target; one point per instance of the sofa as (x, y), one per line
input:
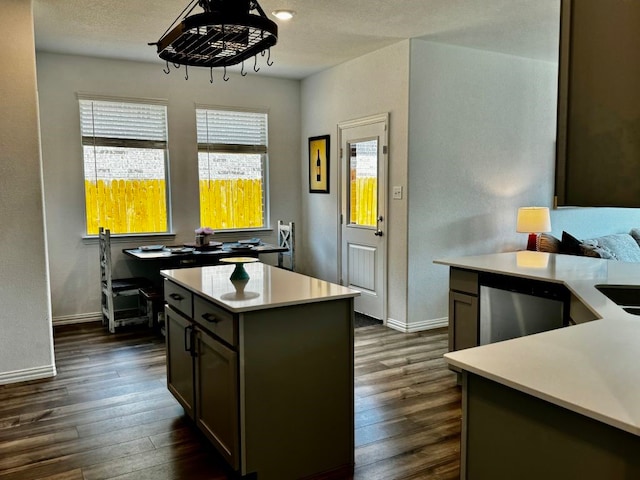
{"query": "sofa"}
(624, 247)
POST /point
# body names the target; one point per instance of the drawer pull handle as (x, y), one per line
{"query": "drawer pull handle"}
(210, 318)
(177, 297)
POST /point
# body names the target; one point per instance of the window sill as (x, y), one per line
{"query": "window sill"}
(129, 237)
(222, 236)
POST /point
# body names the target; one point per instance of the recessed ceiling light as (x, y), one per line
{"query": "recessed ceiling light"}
(283, 14)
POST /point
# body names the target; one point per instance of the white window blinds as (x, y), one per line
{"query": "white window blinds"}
(225, 130)
(107, 123)
(125, 165)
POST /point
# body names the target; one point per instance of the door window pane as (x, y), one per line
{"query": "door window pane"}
(363, 183)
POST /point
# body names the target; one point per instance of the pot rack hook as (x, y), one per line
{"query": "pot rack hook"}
(186, 72)
(269, 61)
(167, 70)
(210, 74)
(242, 72)
(255, 64)
(224, 77)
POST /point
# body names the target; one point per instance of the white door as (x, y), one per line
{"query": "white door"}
(363, 172)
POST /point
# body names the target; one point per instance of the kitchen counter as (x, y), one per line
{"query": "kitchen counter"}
(591, 368)
(267, 287)
(264, 367)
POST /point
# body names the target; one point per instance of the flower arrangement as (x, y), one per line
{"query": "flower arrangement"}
(204, 231)
(203, 236)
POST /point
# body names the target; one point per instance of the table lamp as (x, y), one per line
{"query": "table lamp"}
(533, 220)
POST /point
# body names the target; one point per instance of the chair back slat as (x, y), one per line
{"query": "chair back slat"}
(106, 270)
(112, 289)
(286, 239)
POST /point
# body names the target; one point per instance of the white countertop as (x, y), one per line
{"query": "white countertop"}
(592, 368)
(267, 287)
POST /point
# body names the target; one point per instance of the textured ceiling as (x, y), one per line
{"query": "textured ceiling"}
(322, 34)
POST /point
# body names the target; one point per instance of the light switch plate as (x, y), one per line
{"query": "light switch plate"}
(397, 193)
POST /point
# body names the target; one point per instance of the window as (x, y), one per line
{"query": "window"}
(363, 188)
(232, 166)
(125, 166)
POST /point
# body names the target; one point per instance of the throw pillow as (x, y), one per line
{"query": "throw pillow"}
(621, 246)
(547, 243)
(570, 244)
(591, 249)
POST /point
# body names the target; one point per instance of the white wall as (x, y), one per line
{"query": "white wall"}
(26, 345)
(482, 144)
(74, 261)
(372, 84)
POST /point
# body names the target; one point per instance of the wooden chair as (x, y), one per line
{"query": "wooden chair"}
(287, 239)
(114, 291)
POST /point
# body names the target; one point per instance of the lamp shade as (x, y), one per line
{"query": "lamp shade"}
(533, 220)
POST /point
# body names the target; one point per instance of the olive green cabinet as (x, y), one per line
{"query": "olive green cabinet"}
(508, 434)
(180, 379)
(202, 372)
(463, 309)
(216, 388)
(271, 388)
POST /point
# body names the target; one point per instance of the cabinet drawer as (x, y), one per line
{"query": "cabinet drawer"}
(215, 320)
(463, 281)
(179, 298)
(463, 321)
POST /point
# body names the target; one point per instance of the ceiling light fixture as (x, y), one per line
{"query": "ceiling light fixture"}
(283, 14)
(227, 33)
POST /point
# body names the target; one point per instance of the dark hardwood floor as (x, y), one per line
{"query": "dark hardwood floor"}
(108, 413)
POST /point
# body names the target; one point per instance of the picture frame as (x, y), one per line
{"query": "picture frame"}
(319, 163)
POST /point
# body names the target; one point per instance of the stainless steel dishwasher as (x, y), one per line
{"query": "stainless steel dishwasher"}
(513, 307)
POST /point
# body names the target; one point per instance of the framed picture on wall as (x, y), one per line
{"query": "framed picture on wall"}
(319, 164)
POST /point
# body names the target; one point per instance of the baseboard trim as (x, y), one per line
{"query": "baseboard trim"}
(27, 374)
(78, 318)
(417, 326)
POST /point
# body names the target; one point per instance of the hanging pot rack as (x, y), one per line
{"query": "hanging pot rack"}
(225, 34)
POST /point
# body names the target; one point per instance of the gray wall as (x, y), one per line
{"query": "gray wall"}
(372, 84)
(481, 144)
(26, 345)
(472, 139)
(74, 260)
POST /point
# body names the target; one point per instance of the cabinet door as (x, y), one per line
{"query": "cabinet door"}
(217, 396)
(463, 321)
(179, 335)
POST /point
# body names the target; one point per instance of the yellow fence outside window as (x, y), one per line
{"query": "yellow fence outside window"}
(364, 201)
(126, 206)
(231, 203)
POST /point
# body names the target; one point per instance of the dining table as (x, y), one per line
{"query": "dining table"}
(150, 260)
(192, 255)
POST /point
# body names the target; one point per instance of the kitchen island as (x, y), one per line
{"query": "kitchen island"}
(264, 367)
(559, 404)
